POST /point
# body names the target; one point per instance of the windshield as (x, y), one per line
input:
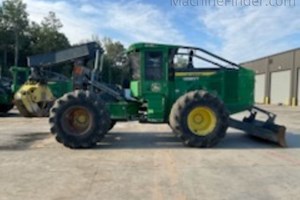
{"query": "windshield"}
(194, 58)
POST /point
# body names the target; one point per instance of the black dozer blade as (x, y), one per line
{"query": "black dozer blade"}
(267, 130)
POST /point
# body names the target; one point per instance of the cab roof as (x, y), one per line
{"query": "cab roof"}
(142, 45)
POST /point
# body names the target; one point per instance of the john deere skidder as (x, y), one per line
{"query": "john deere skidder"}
(191, 89)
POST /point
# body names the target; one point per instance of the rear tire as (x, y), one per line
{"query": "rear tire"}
(199, 118)
(112, 124)
(79, 119)
(4, 108)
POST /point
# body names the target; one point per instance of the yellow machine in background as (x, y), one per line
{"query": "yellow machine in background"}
(34, 99)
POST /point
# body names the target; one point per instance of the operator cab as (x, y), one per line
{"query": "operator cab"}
(148, 61)
(154, 68)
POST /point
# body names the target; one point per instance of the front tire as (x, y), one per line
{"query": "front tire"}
(199, 118)
(79, 119)
(5, 108)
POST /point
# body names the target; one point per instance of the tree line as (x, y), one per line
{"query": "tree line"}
(20, 37)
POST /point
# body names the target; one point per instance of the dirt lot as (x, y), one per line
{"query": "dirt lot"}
(146, 162)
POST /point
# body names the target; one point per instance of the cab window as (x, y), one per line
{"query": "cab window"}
(153, 65)
(190, 59)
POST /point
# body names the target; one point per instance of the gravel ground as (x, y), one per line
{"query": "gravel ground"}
(147, 162)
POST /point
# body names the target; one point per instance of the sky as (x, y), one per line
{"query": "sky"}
(239, 33)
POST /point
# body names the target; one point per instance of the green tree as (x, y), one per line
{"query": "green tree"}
(47, 36)
(15, 20)
(5, 42)
(51, 22)
(111, 73)
(113, 49)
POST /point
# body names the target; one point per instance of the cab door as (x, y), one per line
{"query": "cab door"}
(155, 83)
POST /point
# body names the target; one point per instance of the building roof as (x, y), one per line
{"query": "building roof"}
(272, 55)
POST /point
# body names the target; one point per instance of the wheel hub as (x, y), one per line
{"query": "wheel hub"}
(202, 121)
(82, 119)
(198, 119)
(77, 120)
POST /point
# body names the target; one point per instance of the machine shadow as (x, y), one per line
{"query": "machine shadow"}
(14, 113)
(10, 115)
(238, 140)
(166, 140)
(23, 141)
(138, 140)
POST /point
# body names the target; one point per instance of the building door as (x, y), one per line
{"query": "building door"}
(281, 87)
(260, 81)
(298, 99)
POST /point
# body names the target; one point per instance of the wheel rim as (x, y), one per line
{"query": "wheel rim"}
(77, 120)
(202, 121)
